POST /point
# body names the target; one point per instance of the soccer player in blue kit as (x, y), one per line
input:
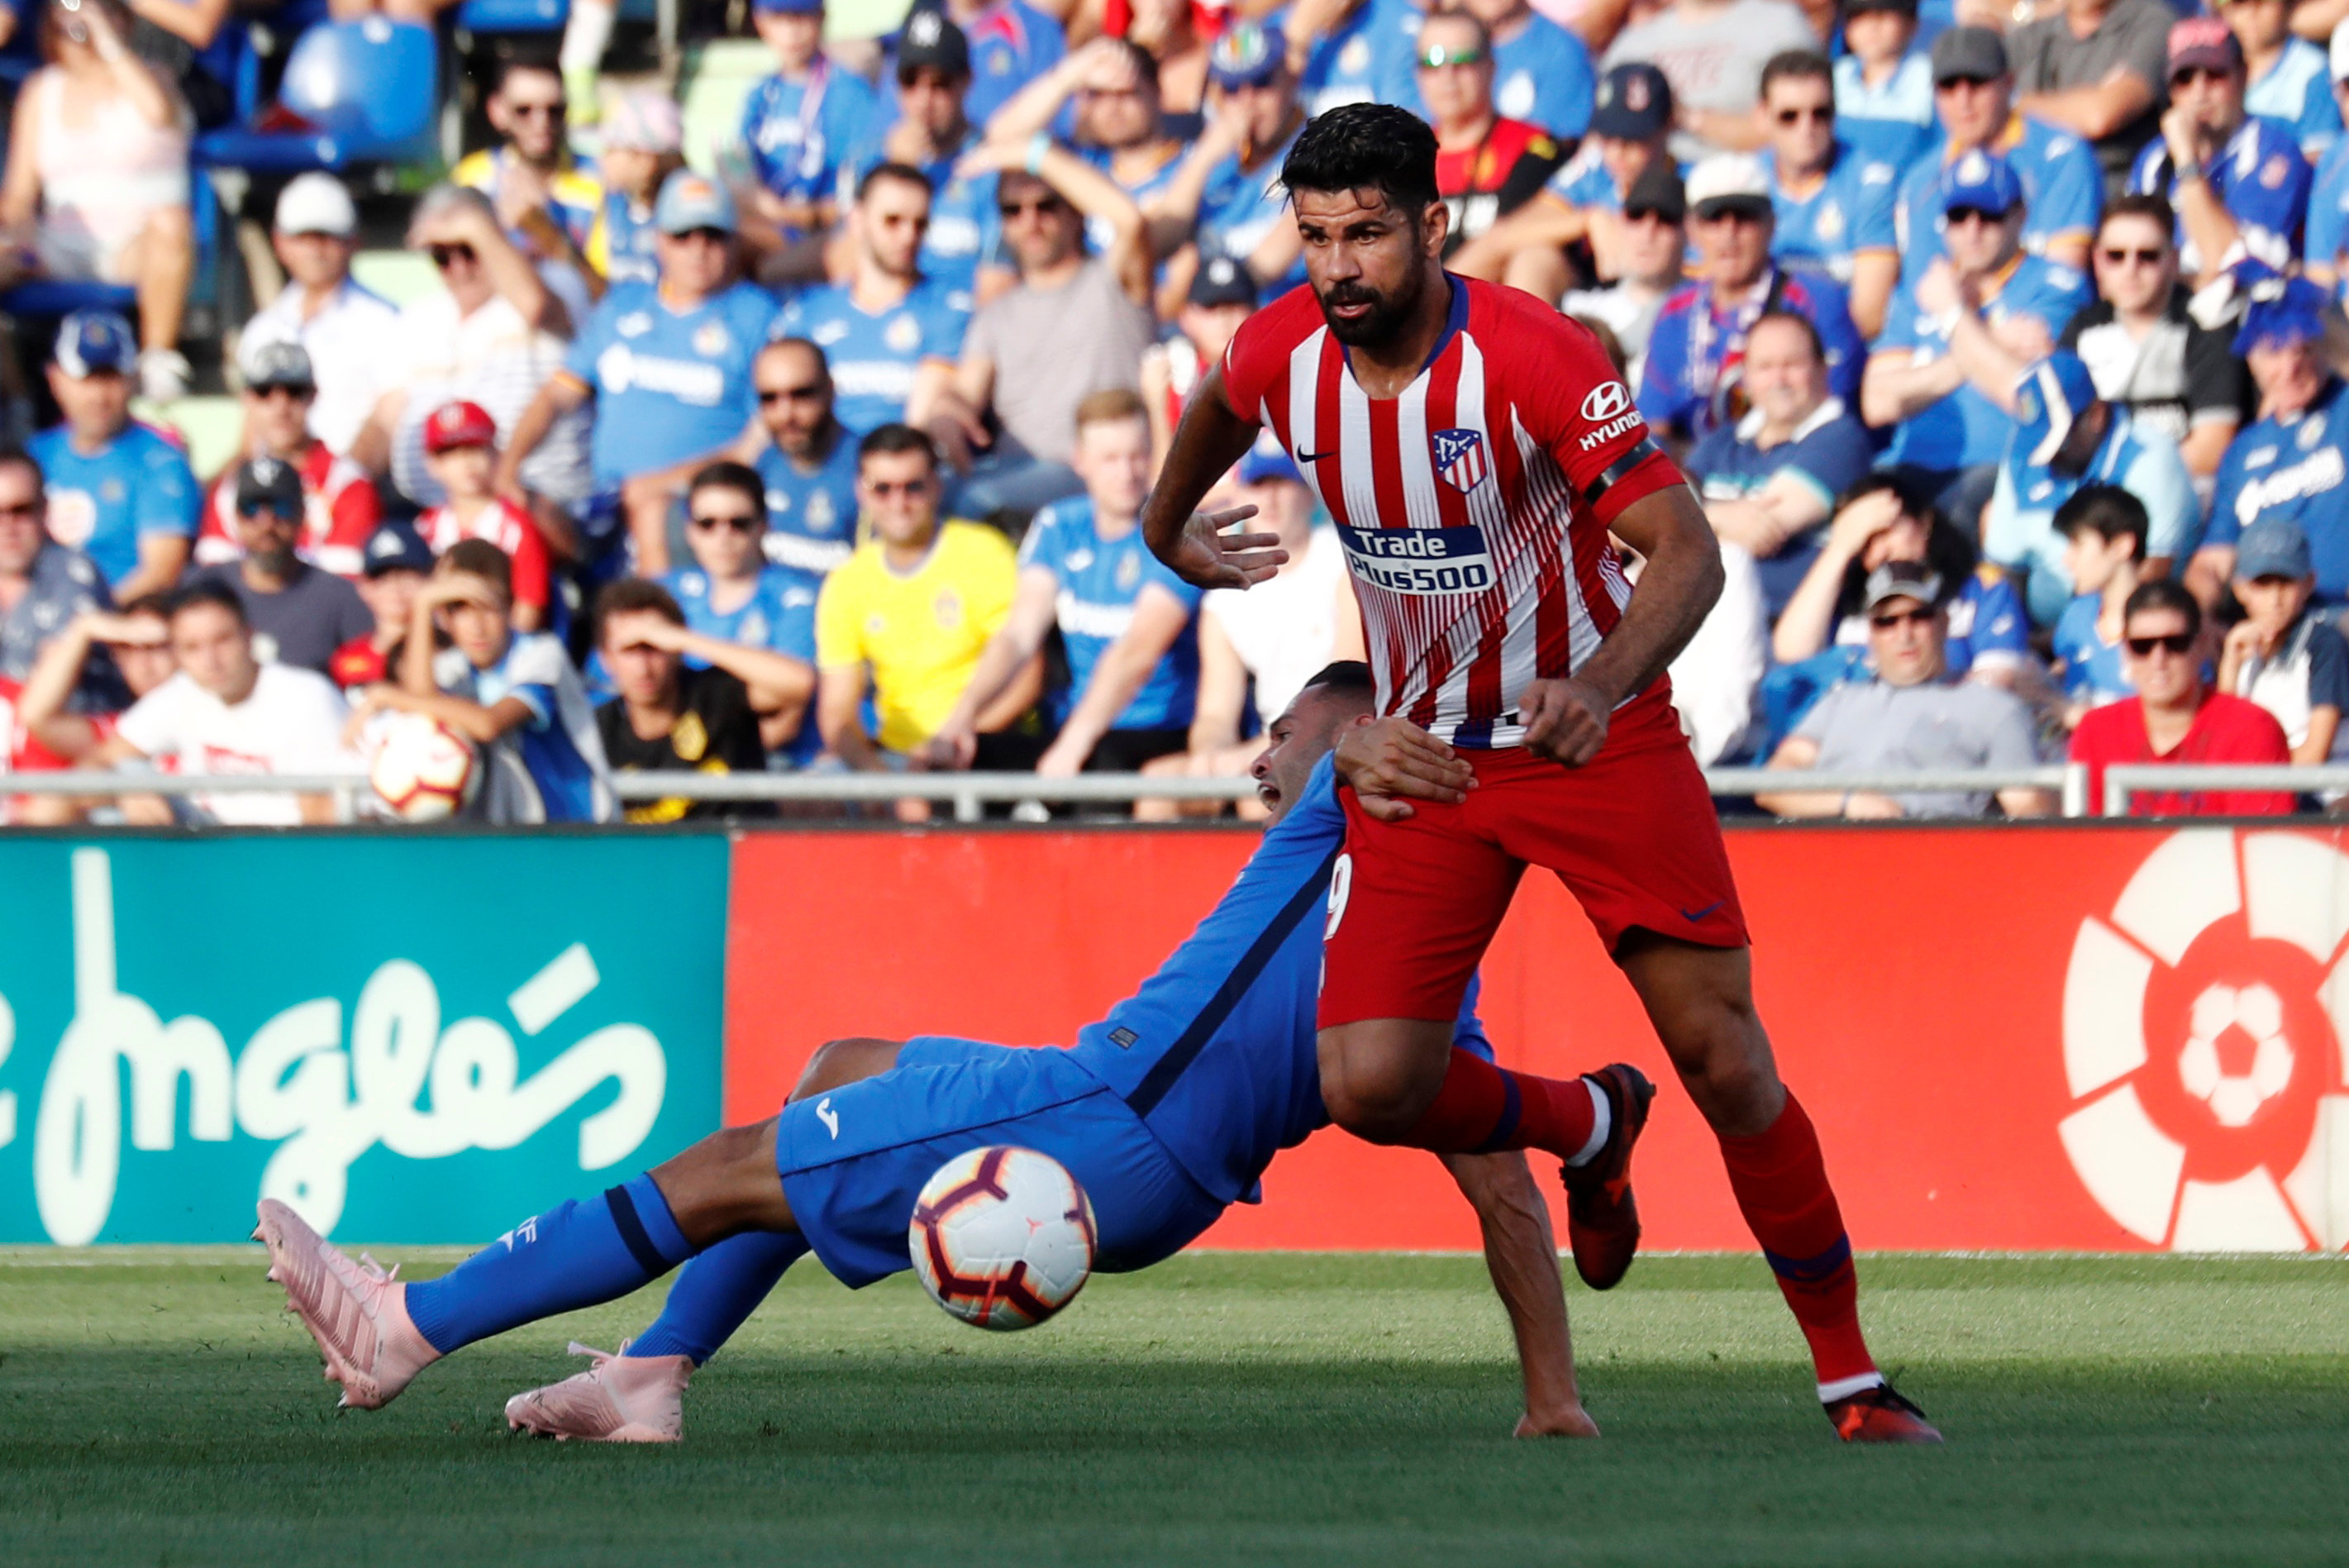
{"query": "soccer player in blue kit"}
(1166, 1112)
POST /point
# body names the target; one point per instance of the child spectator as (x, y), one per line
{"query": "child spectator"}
(514, 694)
(1222, 295)
(2104, 530)
(731, 594)
(398, 562)
(800, 125)
(299, 614)
(2176, 718)
(137, 658)
(460, 447)
(1884, 89)
(686, 702)
(2288, 662)
(644, 144)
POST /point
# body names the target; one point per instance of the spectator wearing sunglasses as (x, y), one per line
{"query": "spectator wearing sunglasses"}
(2175, 717)
(2290, 80)
(1652, 253)
(1974, 98)
(2148, 353)
(1834, 207)
(1108, 93)
(2293, 463)
(731, 593)
(298, 613)
(44, 585)
(2235, 180)
(1914, 716)
(930, 129)
(1539, 72)
(809, 465)
(1486, 164)
(549, 204)
(1227, 197)
(1883, 84)
(118, 489)
(350, 334)
(340, 507)
(461, 447)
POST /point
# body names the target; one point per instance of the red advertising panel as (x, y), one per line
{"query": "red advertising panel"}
(2051, 1037)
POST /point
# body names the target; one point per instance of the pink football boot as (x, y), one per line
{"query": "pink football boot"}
(356, 1312)
(621, 1398)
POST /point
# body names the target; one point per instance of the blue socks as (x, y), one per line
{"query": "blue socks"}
(717, 1291)
(575, 1256)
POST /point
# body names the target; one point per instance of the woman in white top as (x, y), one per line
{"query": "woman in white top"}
(97, 183)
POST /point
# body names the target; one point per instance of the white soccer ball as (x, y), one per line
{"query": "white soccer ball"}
(423, 770)
(1002, 1238)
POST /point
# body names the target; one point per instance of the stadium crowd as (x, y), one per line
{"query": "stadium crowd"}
(1998, 343)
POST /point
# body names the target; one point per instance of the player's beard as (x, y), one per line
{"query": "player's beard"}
(1387, 314)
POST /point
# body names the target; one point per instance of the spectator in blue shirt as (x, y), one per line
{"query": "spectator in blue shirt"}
(1833, 207)
(2294, 463)
(732, 593)
(2066, 436)
(1884, 84)
(1541, 72)
(2290, 80)
(1973, 96)
(1106, 97)
(1959, 335)
(2104, 529)
(669, 366)
(1690, 385)
(2328, 195)
(931, 132)
(809, 466)
(1129, 625)
(1770, 481)
(1226, 195)
(42, 584)
(1344, 49)
(1012, 44)
(881, 328)
(117, 491)
(801, 124)
(2234, 178)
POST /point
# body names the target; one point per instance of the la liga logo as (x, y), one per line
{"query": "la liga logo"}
(2203, 1019)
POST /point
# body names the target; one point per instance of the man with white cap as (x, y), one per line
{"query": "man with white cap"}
(349, 334)
(1691, 384)
(2238, 182)
(644, 143)
(2066, 436)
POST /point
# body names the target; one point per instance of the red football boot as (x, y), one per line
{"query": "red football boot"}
(1879, 1415)
(1603, 1219)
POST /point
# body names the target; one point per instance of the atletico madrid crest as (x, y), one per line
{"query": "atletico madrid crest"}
(1460, 458)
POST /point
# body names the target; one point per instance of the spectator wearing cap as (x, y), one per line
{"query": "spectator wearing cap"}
(1690, 384)
(799, 124)
(1770, 481)
(2294, 465)
(1076, 325)
(1651, 254)
(930, 131)
(2066, 436)
(1486, 164)
(1012, 44)
(1959, 336)
(396, 561)
(2104, 531)
(808, 465)
(1713, 51)
(2147, 352)
(98, 178)
(887, 321)
(340, 504)
(548, 203)
(1108, 92)
(668, 366)
(2176, 715)
(2328, 195)
(731, 592)
(461, 447)
(350, 335)
(1883, 84)
(1630, 126)
(2096, 70)
(2234, 179)
(1538, 72)
(2283, 655)
(1973, 98)
(118, 489)
(1226, 197)
(1833, 207)
(43, 585)
(2289, 79)
(644, 144)
(1221, 298)
(299, 614)
(1912, 717)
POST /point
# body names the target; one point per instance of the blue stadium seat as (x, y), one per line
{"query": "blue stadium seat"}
(47, 298)
(535, 15)
(370, 89)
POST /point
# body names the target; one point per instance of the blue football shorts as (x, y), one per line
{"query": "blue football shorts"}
(853, 1161)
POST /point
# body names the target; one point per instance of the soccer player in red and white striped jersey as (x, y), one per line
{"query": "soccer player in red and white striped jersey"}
(1476, 450)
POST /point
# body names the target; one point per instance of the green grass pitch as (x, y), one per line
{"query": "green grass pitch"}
(157, 1408)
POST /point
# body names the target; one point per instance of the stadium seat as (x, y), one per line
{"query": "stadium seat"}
(48, 298)
(479, 16)
(366, 92)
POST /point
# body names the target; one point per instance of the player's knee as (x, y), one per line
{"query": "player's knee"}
(1381, 1107)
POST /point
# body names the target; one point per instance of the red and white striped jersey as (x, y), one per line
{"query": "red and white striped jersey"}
(1474, 508)
(340, 509)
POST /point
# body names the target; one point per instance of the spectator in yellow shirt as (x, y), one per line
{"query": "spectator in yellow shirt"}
(906, 616)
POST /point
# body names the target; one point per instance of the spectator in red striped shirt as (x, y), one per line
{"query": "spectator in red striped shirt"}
(339, 504)
(460, 447)
(1486, 165)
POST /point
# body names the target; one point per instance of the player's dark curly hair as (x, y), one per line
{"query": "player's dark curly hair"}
(1349, 676)
(1362, 146)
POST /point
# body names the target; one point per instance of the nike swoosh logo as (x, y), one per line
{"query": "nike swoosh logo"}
(1316, 456)
(827, 1116)
(1693, 916)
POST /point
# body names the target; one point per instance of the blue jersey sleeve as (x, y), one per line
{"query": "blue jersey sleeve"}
(2272, 204)
(1665, 398)
(1832, 458)
(2070, 191)
(794, 631)
(943, 326)
(166, 500)
(1155, 571)
(1899, 322)
(593, 339)
(2328, 208)
(2000, 625)
(1872, 228)
(2159, 477)
(2075, 644)
(1847, 350)
(2059, 297)
(2224, 527)
(1043, 546)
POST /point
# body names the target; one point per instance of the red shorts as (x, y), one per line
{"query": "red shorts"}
(1632, 834)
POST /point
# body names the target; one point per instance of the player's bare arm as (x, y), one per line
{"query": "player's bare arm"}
(1565, 718)
(1193, 544)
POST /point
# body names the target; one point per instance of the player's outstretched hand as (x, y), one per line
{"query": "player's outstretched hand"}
(1384, 760)
(1566, 721)
(1207, 557)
